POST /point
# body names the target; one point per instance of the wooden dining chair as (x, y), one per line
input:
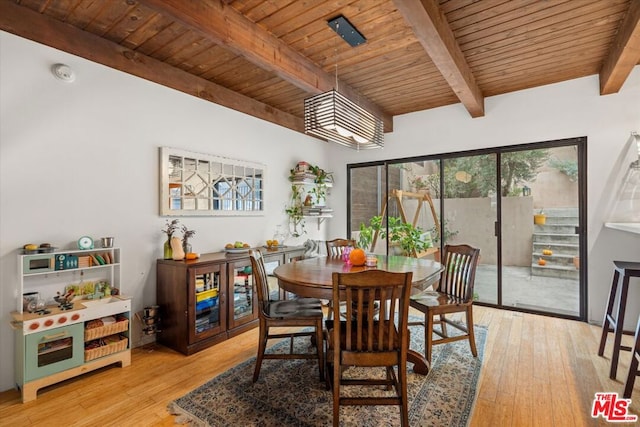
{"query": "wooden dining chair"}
(362, 340)
(454, 293)
(300, 312)
(335, 247)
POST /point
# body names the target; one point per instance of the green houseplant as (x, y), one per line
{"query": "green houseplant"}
(408, 238)
(294, 211)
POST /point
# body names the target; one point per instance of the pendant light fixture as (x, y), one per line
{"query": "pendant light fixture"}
(332, 116)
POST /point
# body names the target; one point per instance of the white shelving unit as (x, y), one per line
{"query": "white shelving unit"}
(47, 280)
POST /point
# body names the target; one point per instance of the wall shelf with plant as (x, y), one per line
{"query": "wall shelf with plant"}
(310, 186)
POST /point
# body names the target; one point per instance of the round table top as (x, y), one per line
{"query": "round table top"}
(313, 277)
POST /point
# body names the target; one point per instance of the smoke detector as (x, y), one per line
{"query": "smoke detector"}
(63, 72)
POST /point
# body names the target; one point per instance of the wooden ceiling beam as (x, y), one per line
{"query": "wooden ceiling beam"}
(229, 28)
(31, 25)
(624, 53)
(432, 30)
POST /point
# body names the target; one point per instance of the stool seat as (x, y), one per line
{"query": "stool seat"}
(615, 322)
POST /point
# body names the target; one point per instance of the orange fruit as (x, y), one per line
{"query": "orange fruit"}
(357, 256)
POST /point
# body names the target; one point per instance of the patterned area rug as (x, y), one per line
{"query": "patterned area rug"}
(289, 393)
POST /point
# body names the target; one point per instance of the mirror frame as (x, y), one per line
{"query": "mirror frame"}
(222, 170)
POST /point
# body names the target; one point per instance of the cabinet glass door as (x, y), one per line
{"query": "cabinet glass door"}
(207, 318)
(241, 295)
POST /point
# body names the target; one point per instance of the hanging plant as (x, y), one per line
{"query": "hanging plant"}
(295, 213)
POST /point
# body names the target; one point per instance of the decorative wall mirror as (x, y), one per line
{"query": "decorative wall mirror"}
(197, 184)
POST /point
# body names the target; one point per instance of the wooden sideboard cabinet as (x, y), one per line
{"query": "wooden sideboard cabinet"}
(207, 300)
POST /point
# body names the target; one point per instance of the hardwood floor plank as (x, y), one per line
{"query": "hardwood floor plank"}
(537, 371)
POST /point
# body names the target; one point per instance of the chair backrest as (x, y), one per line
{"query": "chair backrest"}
(458, 277)
(363, 332)
(260, 278)
(335, 247)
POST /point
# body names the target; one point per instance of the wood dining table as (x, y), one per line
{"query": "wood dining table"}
(313, 278)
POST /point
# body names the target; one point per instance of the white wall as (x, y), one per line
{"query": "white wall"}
(562, 110)
(82, 158)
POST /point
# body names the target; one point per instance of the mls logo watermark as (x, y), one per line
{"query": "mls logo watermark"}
(612, 408)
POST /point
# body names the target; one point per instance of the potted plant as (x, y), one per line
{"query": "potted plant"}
(411, 240)
(186, 235)
(321, 179)
(418, 184)
(365, 237)
(540, 218)
(295, 212)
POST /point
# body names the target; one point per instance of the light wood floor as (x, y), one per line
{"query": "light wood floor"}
(537, 371)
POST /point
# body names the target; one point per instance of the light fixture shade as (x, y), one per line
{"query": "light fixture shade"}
(333, 117)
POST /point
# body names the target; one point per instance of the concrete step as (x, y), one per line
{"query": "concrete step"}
(558, 211)
(557, 248)
(556, 259)
(555, 228)
(555, 238)
(560, 272)
(561, 220)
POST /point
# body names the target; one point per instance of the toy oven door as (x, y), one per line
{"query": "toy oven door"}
(54, 350)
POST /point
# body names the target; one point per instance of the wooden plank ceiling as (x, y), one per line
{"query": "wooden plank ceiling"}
(264, 57)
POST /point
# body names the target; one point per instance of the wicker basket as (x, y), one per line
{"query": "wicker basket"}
(106, 350)
(103, 331)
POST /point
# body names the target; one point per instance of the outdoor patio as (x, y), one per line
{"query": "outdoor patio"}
(522, 290)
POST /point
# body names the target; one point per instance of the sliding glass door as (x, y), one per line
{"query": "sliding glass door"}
(470, 215)
(540, 230)
(495, 200)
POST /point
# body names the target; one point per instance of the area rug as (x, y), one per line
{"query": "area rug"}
(289, 393)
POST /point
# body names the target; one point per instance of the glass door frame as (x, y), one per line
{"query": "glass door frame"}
(581, 229)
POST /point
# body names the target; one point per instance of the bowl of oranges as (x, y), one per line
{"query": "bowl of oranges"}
(273, 244)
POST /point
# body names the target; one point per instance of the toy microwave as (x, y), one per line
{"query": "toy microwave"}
(41, 263)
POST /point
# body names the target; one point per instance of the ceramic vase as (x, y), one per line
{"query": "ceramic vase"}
(168, 252)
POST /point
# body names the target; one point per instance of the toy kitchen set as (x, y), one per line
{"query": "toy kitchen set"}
(70, 317)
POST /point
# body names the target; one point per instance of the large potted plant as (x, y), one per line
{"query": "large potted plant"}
(408, 239)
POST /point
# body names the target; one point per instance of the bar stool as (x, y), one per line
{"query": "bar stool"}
(615, 324)
(633, 366)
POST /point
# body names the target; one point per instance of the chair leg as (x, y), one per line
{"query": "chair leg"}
(336, 391)
(262, 345)
(404, 404)
(619, 323)
(443, 325)
(631, 378)
(320, 348)
(428, 337)
(606, 322)
(633, 366)
(472, 336)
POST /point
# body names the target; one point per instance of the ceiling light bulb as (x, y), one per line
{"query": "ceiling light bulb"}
(344, 132)
(360, 139)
